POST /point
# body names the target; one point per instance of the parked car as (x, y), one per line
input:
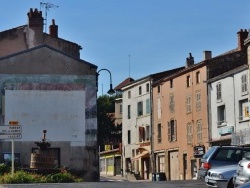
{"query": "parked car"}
(220, 156)
(221, 177)
(246, 185)
(243, 171)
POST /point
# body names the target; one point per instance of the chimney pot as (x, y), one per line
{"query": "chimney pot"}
(242, 35)
(207, 55)
(53, 29)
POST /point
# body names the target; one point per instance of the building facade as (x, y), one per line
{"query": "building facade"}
(228, 105)
(46, 87)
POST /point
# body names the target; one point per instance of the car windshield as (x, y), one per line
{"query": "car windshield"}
(208, 153)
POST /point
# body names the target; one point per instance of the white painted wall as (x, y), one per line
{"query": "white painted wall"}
(134, 122)
(231, 95)
(61, 113)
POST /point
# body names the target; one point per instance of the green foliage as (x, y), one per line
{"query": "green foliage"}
(62, 177)
(4, 168)
(108, 132)
(26, 177)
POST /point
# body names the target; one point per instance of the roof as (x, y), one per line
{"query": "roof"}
(124, 83)
(46, 46)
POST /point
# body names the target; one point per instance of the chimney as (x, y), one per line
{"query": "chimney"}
(242, 35)
(35, 18)
(189, 61)
(207, 55)
(53, 29)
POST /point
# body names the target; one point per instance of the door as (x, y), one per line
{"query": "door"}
(174, 165)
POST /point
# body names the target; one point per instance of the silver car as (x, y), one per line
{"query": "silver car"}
(221, 177)
(243, 171)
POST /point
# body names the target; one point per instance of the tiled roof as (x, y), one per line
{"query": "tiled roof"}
(124, 83)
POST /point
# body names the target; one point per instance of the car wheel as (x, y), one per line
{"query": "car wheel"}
(230, 184)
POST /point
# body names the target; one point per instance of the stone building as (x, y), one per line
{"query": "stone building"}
(46, 86)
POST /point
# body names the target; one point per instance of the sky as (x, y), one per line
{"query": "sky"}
(136, 38)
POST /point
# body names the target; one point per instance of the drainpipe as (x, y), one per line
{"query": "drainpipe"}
(151, 130)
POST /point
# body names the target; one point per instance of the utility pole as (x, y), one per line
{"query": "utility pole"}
(47, 7)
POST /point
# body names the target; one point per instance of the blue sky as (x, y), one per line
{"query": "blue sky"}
(157, 35)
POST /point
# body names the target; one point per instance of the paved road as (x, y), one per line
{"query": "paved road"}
(115, 184)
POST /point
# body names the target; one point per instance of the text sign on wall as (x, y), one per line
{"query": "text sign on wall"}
(10, 129)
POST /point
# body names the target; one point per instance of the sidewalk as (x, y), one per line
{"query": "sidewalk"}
(128, 177)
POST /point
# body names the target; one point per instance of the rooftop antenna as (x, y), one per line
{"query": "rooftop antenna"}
(129, 66)
(47, 7)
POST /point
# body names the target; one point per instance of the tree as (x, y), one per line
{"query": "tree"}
(108, 132)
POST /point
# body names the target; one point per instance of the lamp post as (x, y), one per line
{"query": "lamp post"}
(111, 91)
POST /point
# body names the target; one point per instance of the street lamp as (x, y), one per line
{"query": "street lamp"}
(111, 91)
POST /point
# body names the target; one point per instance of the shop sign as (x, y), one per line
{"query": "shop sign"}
(199, 151)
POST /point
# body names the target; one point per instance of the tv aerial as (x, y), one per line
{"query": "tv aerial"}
(47, 6)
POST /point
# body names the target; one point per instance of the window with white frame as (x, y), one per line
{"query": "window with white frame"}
(188, 103)
(199, 131)
(243, 109)
(139, 108)
(218, 91)
(129, 94)
(161, 160)
(172, 131)
(189, 133)
(244, 83)
(171, 103)
(221, 115)
(198, 100)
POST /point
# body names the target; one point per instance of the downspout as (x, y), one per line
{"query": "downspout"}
(151, 129)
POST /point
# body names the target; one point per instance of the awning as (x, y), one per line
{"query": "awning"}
(141, 155)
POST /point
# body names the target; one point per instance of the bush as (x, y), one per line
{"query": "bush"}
(4, 168)
(26, 177)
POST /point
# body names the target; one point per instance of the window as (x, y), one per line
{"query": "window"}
(218, 91)
(171, 83)
(243, 110)
(140, 90)
(159, 89)
(129, 94)
(141, 134)
(221, 113)
(198, 77)
(188, 81)
(147, 133)
(172, 131)
(161, 160)
(244, 83)
(120, 108)
(189, 133)
(129, 136)
(159, 108)
(129, 112)
(159, 132)
(199, 131)
(188, 103)
(171, 103)
(147, 106)
(198, 100)
(139, 109)
(147, 87)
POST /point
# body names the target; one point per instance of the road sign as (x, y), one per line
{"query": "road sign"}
(10, 136)
(11, 129)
